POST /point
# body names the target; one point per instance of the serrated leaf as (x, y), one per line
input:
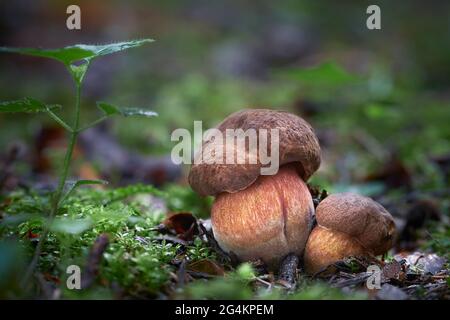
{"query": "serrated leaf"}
(111, 110)
(28, 105)
(71, 54)
(328, 73)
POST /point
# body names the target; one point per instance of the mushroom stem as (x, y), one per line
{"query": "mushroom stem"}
(287, 274)
(268, 220)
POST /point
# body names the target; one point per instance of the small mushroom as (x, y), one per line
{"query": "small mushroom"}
(348, 224)
(261, 216)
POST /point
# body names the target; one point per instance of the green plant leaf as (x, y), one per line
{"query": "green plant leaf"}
(111, 110)
(79, 52)
(245, 272)
(74, 185)
(328, 73)
(78, 72)
(71, 226)
(79, 183)
(28, 105)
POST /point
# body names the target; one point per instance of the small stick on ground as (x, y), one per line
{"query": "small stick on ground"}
(181, 274)
(94, 259)
(172, 239)
(287, 275)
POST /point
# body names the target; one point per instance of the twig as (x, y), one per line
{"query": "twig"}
(268, 284)
(94, 259)
(355, 280)
(181, 274)
(172, 239)
(60, 121)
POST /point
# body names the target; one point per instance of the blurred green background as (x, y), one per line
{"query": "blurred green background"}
(371, 95)
(379, 100)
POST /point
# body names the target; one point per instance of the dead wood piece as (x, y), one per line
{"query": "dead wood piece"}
(354, 280)
(181, 274)
(93, 262)
(287, 275)
(172, 239)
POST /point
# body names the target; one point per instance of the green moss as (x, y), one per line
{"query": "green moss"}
(133, 261)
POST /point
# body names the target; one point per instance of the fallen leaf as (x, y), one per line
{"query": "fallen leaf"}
(392, 270)
(206, 266)
(32, 235)
(184, 224)
(426, 263)
(431, 263)
(51, 278)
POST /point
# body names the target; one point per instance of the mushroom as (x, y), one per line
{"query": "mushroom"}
(261, 216)
(348, 224)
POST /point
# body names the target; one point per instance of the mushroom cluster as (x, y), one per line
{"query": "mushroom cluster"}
(348, 224)
(268, 217)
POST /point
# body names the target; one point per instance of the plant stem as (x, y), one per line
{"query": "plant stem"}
(59, 120)
(69, 151)
(94, 123)
(59, 191)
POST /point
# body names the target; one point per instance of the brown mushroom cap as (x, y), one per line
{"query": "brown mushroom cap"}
(298, 143)
(348, 224)
(359, 217)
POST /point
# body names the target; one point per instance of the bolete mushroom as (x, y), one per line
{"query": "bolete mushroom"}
(348, 224)
(261, 216)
